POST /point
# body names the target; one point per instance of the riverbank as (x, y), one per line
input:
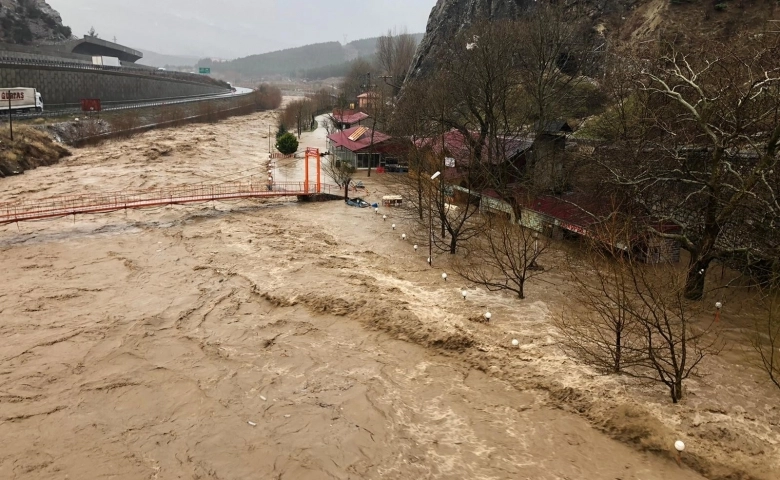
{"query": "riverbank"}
(276, 339)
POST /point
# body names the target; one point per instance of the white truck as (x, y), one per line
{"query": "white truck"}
(20, 100)
(106, 61)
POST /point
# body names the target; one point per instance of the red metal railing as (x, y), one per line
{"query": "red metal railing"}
(113, 201)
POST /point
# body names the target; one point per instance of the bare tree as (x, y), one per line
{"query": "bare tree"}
(555, 52)
(332, 123)
(453, 199)
(356, 81)
(504, 258)
(632, 318)
(395, 53)
(706, 129)
(675, 343)
(766, 340)
(600, 327)
(340, 172)
(323, 100)
(466, 108)
(406, 121)
(299, 113)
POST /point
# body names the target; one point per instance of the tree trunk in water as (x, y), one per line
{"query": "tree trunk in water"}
(420, 197)
(521, 290)
(453, 244)
(676, 390)
(346, 191)
(618, 352)
(694, 284)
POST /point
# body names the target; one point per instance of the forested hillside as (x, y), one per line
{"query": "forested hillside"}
(320, 60)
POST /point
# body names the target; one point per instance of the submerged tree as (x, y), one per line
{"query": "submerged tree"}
(766, 340)
(504, 258)
(675, 343)
(600, 327)
(341, 172)
(699, 149)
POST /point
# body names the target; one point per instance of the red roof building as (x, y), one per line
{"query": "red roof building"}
(583, 215)
(346, 119)
(508, 154)
(358, 147)
(368, 99)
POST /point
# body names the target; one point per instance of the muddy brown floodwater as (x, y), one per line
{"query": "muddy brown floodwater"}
(271, 339)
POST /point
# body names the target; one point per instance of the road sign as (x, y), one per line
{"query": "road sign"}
(204, 71)
(90, 105)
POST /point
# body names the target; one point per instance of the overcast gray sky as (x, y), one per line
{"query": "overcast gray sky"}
(238, 28)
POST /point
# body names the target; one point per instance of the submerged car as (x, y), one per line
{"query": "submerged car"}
(358, 202)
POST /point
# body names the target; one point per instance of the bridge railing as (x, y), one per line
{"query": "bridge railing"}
(99, 202)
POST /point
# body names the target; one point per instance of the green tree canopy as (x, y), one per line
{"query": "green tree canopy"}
(287, 144)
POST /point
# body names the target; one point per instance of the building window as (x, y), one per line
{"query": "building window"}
(363, 160)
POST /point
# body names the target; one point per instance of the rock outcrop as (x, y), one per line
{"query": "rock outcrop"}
(28, 22)
(622, 22)
(450, 17)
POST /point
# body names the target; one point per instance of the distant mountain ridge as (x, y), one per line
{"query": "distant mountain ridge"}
(330, 58)
(154, 59)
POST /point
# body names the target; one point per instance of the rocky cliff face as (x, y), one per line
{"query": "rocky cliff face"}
(623, 22)
(450, 17)
(29, 22)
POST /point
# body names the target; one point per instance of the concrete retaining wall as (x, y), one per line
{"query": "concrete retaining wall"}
(41, 53)
(60, 86)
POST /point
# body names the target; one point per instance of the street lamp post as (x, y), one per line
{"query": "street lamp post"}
(430, 219)
(536, 250)
(536, 244)
(10, 117)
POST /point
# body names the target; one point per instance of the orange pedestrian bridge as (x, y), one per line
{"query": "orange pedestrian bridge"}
(103, 202)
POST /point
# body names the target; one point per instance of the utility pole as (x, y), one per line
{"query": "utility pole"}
(430, 218)
(371, 106)
(10, 117)
(397, 88)
(444, 209)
